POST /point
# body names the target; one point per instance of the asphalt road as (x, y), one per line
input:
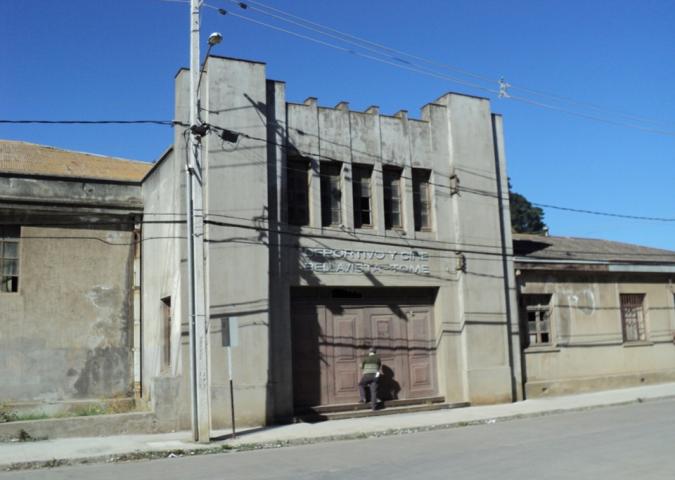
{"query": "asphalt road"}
(628, 442)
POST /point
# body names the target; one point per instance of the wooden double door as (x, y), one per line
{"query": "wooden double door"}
(330, 339)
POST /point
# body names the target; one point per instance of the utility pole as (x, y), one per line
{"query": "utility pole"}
(199, 375)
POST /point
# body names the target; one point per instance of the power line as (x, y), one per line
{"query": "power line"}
(399, 63)
(377, 239)
(354, 52)
(168, 123)
(459, 188)
(604, 214)
(360, 40)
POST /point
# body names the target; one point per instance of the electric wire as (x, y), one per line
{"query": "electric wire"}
(460, 188)
(356, 53)
(420, 70)
(376, 47)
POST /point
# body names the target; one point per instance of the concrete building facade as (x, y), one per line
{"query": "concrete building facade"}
(328, 231)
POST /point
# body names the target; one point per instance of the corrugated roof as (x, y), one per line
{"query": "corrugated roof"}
(587, 249)
(31, 159)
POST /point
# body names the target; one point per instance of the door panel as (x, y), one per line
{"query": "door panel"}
(421, 353)
(343, 339)
(389, 339)
(331, 339)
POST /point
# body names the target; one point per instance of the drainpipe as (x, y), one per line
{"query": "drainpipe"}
(136, 293)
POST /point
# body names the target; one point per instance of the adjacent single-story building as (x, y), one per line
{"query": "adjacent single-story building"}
(594, 314)
(69, 272)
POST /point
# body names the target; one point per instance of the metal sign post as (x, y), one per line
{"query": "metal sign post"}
(230, 337)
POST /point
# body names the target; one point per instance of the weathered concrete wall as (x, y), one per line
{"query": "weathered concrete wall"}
(163, 240)
(458, 137)
(238, 257)
(588, 351)
(105, 196)
(254, 258)
(66, 333)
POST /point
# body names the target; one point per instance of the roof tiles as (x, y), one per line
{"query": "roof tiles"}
(30, 159)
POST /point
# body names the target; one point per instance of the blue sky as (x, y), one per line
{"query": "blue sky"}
(105, 59)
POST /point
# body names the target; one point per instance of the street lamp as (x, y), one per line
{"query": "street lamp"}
(197, 308)
(214, 39)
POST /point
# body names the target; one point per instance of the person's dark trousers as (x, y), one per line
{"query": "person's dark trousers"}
(368, 379)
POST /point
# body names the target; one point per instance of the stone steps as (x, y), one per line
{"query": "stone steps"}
(359, 410)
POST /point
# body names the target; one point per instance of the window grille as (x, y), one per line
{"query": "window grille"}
(537, 320)
(633, 317)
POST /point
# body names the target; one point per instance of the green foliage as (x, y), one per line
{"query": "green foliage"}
(88, 411)
(525, 217)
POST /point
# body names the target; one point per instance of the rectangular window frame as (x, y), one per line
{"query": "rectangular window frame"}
(331, 194)
(298, 170)
(362, 193)
(537, 322)
(421, 180)
(10, 252)
(392, 191)
(633, 317)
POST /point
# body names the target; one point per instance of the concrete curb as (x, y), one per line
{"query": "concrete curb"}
(228, 446)
(84, 426)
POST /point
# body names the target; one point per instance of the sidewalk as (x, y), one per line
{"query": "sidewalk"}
(49, 453)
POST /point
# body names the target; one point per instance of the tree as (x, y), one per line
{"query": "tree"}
(525, 217)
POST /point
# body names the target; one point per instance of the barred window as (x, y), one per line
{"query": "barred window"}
(331, 193)
(392, 198)
(363, 204)
(537, 325)
(633, 317)
(297, 190)
(9, 258)
(421, 199)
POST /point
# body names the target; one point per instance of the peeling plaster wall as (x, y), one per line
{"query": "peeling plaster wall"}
(588, 351)
(66, 334)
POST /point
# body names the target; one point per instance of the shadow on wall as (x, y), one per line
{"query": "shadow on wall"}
(387, 387)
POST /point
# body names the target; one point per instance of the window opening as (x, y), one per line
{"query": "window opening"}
(421, 199)
(9, 258)
(297, 190)
(363, 215)
(538, 320)
(166, 331)
(633, 317)
(392, 198)
(331, 194)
